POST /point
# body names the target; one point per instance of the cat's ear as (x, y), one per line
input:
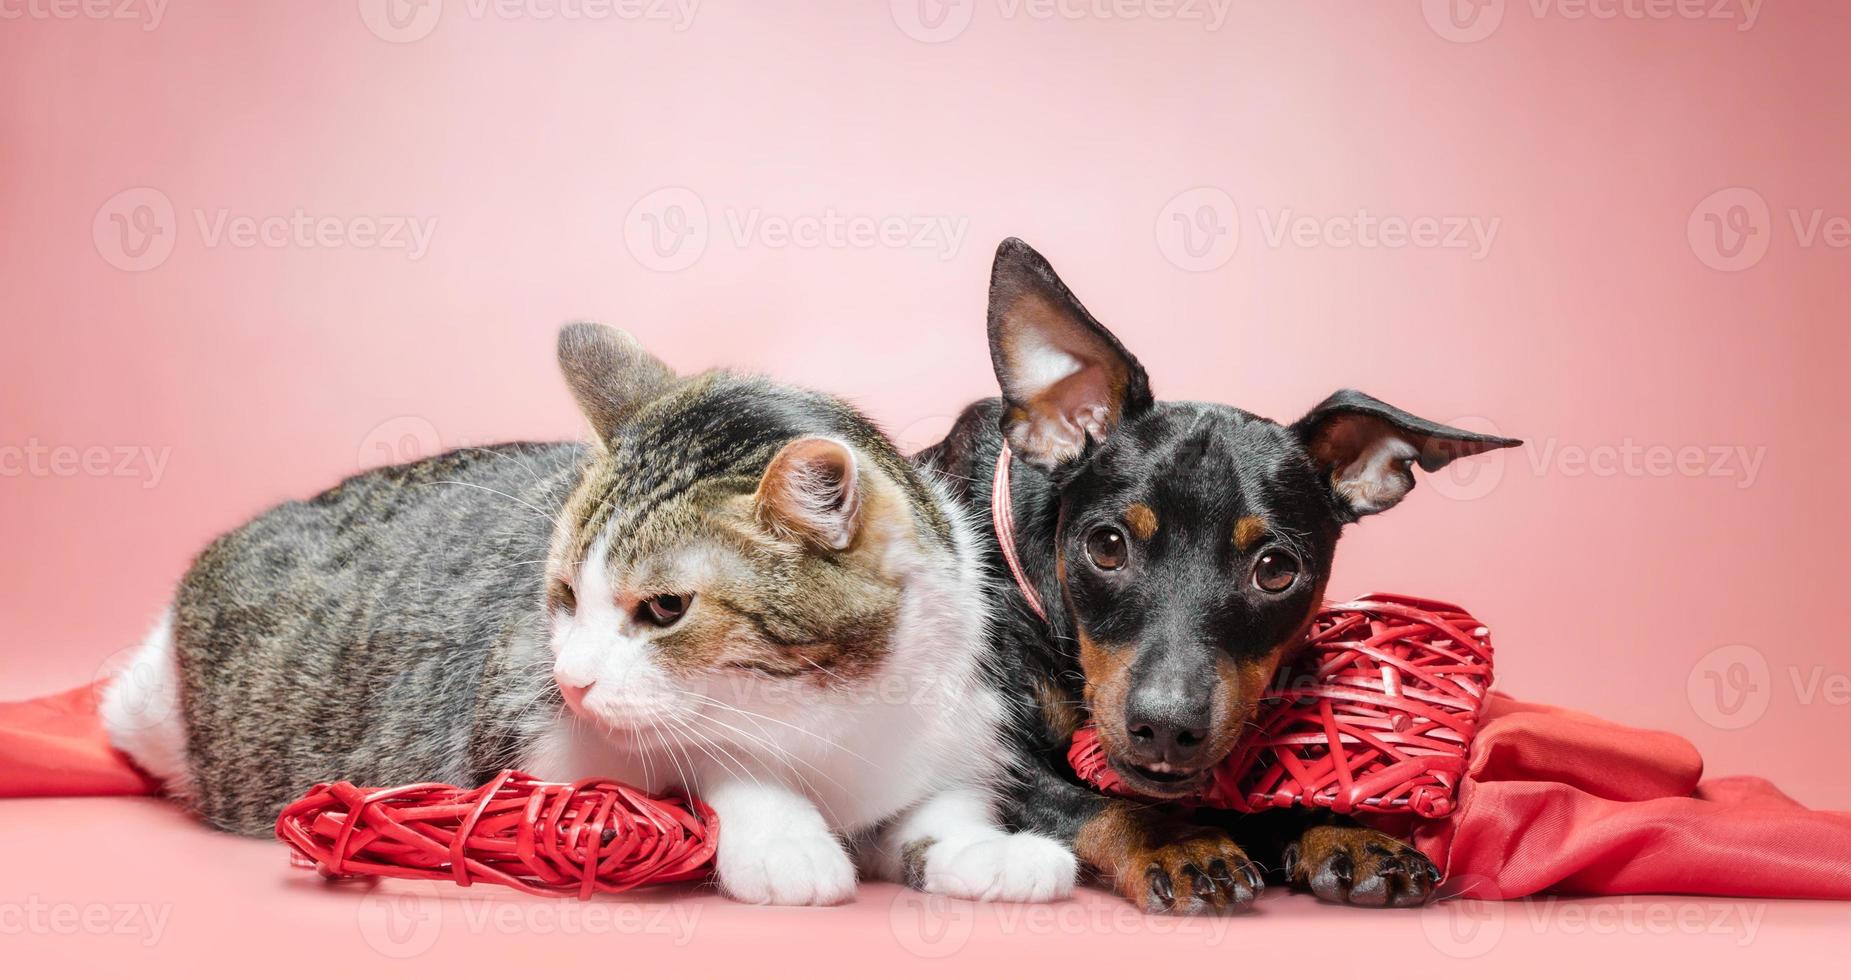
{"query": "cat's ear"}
(1066, 380)
(610, 374)
(812, 492)
(1365, 450)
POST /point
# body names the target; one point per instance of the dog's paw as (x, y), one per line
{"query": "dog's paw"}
(1010, 868)
(1357, 866)
(810, 869)
(1202, 873)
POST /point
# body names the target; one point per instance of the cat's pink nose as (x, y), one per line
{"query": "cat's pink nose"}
(574, 694)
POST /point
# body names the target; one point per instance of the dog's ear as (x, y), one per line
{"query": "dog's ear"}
(1066, 380)
(610, 375)
(1366, 449)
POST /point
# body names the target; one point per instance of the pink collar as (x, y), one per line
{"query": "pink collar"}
(1002, 519)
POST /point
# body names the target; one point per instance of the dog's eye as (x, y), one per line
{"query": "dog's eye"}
(1275, 571)
(664, 610)
(1106, 547)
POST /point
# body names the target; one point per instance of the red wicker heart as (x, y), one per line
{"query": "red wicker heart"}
(542, 838)
(1375, 715)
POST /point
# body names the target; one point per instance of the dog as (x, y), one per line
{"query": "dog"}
(1161, 559)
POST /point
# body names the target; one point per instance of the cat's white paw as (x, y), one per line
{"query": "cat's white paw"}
(805, 869)
(1010, 868)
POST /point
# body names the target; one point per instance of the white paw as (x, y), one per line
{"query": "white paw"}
(809, 869)
(1010, 868)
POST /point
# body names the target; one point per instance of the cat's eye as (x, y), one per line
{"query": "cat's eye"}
(562, 597)
(1275, 571)
(1106, 547)
(665, 609)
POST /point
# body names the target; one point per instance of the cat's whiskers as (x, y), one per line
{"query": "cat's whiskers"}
(698, 741)
(835, 746)
(781, 755)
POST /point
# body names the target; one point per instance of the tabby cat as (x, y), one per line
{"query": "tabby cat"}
(737, 587)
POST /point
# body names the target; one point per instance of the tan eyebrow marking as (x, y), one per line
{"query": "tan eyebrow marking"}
(1142, 521)
(1248, 531)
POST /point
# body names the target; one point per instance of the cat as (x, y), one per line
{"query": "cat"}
(736, 587)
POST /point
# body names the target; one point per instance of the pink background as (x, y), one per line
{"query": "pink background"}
(1606, 312)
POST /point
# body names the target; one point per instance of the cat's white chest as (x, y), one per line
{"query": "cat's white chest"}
(859, 764)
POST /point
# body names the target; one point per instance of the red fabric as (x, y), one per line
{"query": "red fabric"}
(55, 746)
(1553, 799)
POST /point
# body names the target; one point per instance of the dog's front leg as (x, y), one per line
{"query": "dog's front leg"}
(1159, 862)
(1353, 865)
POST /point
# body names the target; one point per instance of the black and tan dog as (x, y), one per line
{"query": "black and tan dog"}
(1170, 553)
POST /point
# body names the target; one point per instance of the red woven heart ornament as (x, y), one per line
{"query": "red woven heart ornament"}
(543, 838)
(1375, 714)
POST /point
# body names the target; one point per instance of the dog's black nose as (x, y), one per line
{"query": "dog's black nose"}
(1161, 736)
